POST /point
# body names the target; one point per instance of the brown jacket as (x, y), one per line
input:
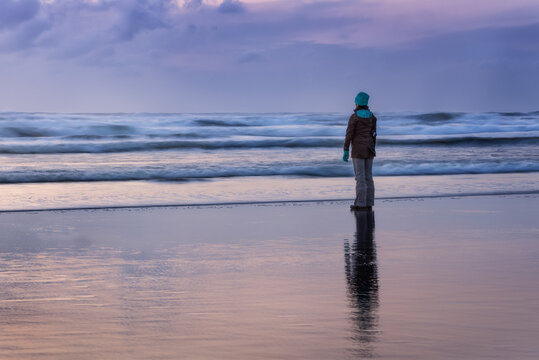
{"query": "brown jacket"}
(361, 132)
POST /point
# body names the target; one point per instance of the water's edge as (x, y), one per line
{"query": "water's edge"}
(271, 202)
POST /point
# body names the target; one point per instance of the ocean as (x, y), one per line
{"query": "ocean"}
(286, 152)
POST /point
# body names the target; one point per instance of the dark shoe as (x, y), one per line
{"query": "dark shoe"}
(359, 208)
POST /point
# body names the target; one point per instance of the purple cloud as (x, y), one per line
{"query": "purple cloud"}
(14, 12)
(138, 17)
(231, 7)
(307, 54)
(173, 29)
(192, 4)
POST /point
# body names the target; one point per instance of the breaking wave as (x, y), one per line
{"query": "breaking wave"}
(127, 146)
(324, 170)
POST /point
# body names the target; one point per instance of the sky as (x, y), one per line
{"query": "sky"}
(268, 55)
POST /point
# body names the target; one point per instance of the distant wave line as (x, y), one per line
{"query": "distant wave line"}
(308, 142)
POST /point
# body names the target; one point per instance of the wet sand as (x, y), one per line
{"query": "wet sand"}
(440, 278)
(115, 194)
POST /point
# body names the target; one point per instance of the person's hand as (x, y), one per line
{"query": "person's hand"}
(345, 156)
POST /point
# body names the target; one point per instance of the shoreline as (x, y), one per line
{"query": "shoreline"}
(251, 190)
(271, 202)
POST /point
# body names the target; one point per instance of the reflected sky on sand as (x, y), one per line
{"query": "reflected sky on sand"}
(438, 278)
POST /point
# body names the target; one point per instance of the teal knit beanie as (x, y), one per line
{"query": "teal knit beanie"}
(362, 99)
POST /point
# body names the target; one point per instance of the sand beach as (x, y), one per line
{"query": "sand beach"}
(435, 278)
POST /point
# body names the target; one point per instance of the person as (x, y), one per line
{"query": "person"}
(361, 133)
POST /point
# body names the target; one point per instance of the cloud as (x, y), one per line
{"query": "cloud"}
(192, 4)
(25, 37)
(138, 17)
(196, 27)
(304, 52)
(14, 12)
(231, 7)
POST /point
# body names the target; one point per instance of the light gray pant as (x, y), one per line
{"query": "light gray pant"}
(364, 182)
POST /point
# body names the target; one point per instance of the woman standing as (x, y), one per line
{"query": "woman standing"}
(361, 133)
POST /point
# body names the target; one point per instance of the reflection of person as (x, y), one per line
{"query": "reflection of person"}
(361, 133)
(362, 279)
